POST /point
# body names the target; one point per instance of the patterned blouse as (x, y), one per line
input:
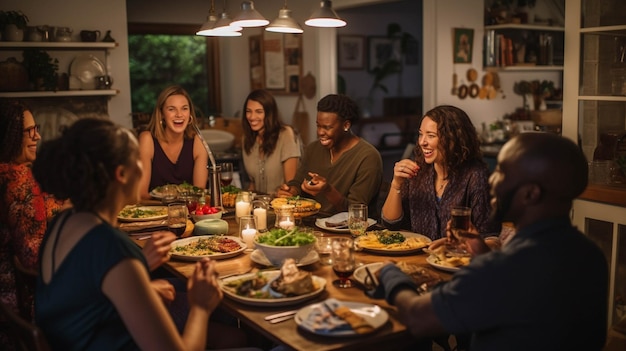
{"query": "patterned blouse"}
(428, 215)
(24, 212)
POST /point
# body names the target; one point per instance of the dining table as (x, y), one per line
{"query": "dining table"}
(390, 336)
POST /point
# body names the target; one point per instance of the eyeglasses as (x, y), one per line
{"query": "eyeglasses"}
(32, 130)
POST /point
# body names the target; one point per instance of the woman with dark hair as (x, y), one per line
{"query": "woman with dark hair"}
(271, 148)
(447, 170)
(339, 168)
(93, 289)
(24, 208)
(170, 150)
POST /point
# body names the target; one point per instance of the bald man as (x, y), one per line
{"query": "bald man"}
(546, 289)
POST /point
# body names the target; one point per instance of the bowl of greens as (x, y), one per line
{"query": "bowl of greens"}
(278, 244)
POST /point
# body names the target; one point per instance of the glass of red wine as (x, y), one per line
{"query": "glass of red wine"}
(460, 219)
(226, 174)
(342, 253)
(177, 218)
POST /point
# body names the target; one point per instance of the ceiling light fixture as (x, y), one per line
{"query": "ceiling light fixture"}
(249, 17)
(284, 23)
(325, 16)
(225, 22)
(208, 28)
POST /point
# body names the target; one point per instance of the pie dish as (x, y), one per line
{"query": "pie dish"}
(142, 213)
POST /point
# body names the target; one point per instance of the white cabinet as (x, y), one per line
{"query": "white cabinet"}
(594, 105)
(64, 51)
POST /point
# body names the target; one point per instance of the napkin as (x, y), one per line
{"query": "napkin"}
(333, 316)
(338, 220)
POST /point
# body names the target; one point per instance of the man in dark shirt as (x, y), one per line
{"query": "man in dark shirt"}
(546, 289)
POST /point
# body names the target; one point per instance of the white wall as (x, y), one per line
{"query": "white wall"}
(449, 14)
(90, 15)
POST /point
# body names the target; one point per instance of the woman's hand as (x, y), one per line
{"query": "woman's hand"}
(317, 184)
(157, 248)
(164, 289)
(403, 170)
(203, 289)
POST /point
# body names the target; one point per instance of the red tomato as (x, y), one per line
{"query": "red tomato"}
(199, 211)
(206, 209)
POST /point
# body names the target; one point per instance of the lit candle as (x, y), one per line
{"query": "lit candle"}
(242, 208)
(261, 218)
(286, 224)
(248, 237)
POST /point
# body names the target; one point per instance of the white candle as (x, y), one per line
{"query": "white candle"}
(286, 224)
(261, 218)
(242, 208)
(248, 237)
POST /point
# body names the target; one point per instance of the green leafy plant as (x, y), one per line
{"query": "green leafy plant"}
(393, 65)
(42, 69)
(18, 18)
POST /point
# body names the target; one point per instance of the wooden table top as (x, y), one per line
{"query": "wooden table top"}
(287, 333)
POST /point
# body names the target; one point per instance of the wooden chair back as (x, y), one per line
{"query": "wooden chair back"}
(25, 283)
(27, 336)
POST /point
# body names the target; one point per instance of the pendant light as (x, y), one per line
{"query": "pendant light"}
(325, 16)
(284, 23)
(225, 22)
(208, 28)
(249, 17)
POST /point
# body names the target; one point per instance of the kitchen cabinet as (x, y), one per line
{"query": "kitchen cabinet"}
(63, 51)
(594, 97)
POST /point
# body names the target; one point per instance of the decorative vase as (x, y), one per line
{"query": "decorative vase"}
(13, 33)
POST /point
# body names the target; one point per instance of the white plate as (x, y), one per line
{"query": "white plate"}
(215, 256)
(86, 68)
(156, 194)
(406, 234)
(258, 257)
(432, 260)
(321, 223)
(273, 302)
(360, 274)
(373, 314)
(145, 218)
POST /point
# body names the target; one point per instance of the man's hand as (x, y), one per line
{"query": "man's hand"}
(157, 248)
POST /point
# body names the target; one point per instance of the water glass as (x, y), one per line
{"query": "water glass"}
(323, 246)
(248, 231)
(357, 219)
(177, 218)
(342, 253)
(169, 193)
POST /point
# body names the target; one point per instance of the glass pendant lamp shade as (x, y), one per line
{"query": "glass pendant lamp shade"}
(249, 17)
(325, 16)
(284, 23)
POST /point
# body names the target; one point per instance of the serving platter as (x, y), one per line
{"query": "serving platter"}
(86, 68)
(257, 256)
(392, 250)
(302, 207)
(275, 299)
(307, 317)
(214, 256)
(142, 213)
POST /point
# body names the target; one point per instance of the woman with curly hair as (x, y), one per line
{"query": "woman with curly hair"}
(24, 208)
(170, 150)
(447, 170)
(271, 148)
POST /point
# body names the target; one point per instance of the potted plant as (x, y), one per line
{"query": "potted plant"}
(42, 69)
(12, 25)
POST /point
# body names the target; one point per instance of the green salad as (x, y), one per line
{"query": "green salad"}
(282, 237)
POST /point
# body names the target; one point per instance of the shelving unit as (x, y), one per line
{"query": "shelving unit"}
(594, 104)
(60, 46)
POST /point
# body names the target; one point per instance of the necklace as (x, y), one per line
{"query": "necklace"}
(442, 185)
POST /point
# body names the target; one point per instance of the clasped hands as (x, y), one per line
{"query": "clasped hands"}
(314, 186)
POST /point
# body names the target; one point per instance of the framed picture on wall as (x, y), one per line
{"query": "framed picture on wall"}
(276, 62)
(381, 50)
(463, 45)
(351, 51)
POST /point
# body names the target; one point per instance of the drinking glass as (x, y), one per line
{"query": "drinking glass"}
(247, 231)
(169, 193)
(460, 221)
(177, 218)
(357, 219)
(226, 175)
(323, 246)
(342, 253)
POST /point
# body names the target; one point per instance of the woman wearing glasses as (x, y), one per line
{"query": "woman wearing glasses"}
(24, 208)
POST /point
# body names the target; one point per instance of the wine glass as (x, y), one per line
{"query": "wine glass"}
(342, 253)
(460, 221)
(357, 219)
(226, 175)
(177, 218)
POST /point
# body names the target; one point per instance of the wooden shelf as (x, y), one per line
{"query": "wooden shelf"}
(612, 195)
(60, 93)
(526, 68)
(525, 27)
(72, 45)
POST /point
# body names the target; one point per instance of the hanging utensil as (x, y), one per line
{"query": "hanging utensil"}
(455, 90)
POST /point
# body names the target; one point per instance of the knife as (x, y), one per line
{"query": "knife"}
(280, 316)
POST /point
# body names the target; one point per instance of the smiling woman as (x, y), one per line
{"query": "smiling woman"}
(162, 54)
